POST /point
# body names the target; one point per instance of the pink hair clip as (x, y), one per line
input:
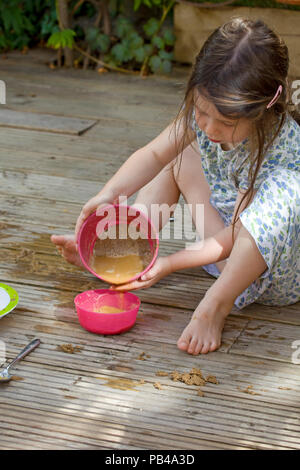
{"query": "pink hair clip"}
(277, 94)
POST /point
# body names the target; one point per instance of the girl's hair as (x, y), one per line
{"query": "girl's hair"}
(239, 69)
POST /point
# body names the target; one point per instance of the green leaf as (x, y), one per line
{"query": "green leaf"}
(166, 55)
(7, 18)
(4, 43)
(135, 40)
(103, 42)
(123, 26)
(140, 54)
(151, 27)
(121, 52)
(155, 63)
(169, 37)
(158, 42)
(118, 53)
(48, 24)
(62, 39)
(148, 3)
(97, 40)
(166, 66)
(92, 35)
(149, 49)
(137, 4)
(129, 51)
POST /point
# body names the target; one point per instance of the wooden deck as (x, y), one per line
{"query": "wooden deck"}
(103, 397)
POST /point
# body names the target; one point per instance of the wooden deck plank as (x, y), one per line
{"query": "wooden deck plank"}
(91, 398)
(103, 396)
(28, 184)
(44, 122)
(183, 290)
(132, 434)
(105, 363)
(88, 80)
(39, 270)
(30, 239)
(101, 92)
(31, 69)
(90, 401)
(92, 406)
(102, 101)
(95, 108)
(81, 147)
(96, 170)
(267, 339)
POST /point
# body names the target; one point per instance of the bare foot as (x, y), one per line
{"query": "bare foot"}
(204, 332)
(67, 247)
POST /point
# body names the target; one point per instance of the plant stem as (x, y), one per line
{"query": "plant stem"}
(165, 12)
(62, 13)
(104, 64)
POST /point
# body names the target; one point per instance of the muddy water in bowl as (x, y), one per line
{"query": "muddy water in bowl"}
(118, 244)
(119, 306)
(119, 258)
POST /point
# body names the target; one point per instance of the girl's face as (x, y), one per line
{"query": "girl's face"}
(218, 128)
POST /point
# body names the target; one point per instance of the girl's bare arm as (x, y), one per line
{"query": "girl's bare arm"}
(211, 250)
(138, 170)
(144, 164)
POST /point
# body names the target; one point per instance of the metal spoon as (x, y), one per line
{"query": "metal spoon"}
(4, 374)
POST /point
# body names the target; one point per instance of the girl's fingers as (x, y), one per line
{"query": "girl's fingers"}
(86, 211)
(57, 239)
(90, 207)
(135, 285)
(79, 223)
(146, 276)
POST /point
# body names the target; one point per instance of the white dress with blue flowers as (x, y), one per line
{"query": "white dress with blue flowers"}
(272, 218)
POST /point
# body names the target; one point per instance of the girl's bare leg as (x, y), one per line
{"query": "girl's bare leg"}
(203, 333)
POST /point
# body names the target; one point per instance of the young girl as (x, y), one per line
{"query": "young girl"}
(238, 151)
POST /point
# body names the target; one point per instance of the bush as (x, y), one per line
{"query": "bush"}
(133, 34)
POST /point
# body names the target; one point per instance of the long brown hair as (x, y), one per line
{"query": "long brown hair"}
(239, 70)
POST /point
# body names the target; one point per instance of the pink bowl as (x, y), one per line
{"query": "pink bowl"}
(87, 303)
(98, 222)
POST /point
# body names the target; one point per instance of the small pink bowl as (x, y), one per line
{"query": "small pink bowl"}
(87, 303)
(98, 222)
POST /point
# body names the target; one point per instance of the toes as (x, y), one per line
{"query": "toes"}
(192, 346)
(183, 345)
(184, 341)
(198, 348)
(214, 345)
(205, 348)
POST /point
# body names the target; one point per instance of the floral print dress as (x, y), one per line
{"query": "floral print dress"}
(272, 218)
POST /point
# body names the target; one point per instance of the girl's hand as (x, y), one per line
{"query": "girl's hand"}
(160, 269)
(101, 199)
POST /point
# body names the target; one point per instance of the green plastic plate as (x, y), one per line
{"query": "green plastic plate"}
(8, 299)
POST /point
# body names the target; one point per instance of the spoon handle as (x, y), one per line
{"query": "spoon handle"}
(30, 347)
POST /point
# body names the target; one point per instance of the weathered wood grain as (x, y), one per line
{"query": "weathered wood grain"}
(103, 396)
(44, 122)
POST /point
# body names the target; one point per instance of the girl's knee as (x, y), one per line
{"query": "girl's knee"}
(187, 163)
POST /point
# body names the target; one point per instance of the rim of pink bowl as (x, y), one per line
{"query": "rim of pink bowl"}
(152, 229)
(78, 297)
